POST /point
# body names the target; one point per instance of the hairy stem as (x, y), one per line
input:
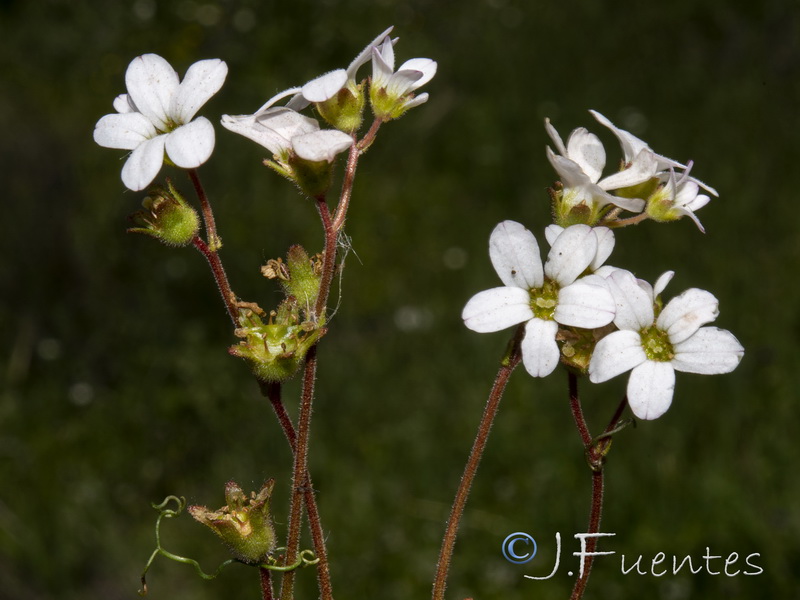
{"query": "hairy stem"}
(510, 361)
(300, 472)
(214, 241)
(273, 392)
(266, 584)
(220, 277)
(596, 450)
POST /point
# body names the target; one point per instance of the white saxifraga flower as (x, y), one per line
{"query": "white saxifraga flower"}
(390, 92)
(543, 296)
(325, 87)
(654, 345)
(632, 147)
(155, 116)
(284, 132)
(580, 164)
(676, 198)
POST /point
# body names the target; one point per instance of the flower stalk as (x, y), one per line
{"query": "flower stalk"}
(507, 366)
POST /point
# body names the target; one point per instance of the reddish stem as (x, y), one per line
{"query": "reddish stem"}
(462, 494)
(218, 271)
(266, 584)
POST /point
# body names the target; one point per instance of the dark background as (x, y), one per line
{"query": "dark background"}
(117, 388)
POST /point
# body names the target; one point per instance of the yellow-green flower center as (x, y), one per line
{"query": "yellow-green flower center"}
(656, 344)
(544, 300)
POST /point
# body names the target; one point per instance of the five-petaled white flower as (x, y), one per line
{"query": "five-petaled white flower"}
(580, 164)
(677, 197)
(654, 345)
(156, 116)
(284, 131)
(391, 92)
(632, 148)
(325, 87)
(545, 296)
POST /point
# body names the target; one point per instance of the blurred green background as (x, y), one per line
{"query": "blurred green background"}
(117, 388)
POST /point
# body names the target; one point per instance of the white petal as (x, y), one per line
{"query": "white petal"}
(322, 145)
(496, 309)
(551, 232)
(415, 101)
(662, 282)
(587, 150)
(650, 389)
(152, 83)
(123, 131)
(569, 172)
(688, 213)
(539, 348)
(365, 55)
(710, 351)
(605, 245)
(643, 167)
(572, 252)
(381, 69)
(286, 122)
(515, 256)
(631, 145)
(122, 104)
(634, 304)
(191, 145)
(203, 79)
(249, 127)
(144, 164)
(551, 131)
(426, 66)
(325, 86)
(616, 353)
(584, 304)
(606, 270)
(297, 99)
(402, 82)
(685, 314)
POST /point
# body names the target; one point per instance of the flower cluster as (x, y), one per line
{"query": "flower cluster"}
(573, 296)
(156, 117)
(646, 183)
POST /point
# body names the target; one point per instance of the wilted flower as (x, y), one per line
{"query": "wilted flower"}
(244, 523)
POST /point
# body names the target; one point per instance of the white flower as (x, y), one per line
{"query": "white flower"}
(632, 148)
(580, 164)
(678, 197)
(284, 132)
(653, 346)
(390, 91)
(543, 296)
(156, 116)
(325, 87)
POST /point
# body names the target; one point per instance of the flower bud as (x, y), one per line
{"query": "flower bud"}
(167, 217)
(244, 524)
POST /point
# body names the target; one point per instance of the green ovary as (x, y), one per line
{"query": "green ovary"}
(544, 300)
(656, 344)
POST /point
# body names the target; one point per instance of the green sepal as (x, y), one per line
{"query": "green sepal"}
(167, 217)
(345, 110)
(244, 524)
(276, 349)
